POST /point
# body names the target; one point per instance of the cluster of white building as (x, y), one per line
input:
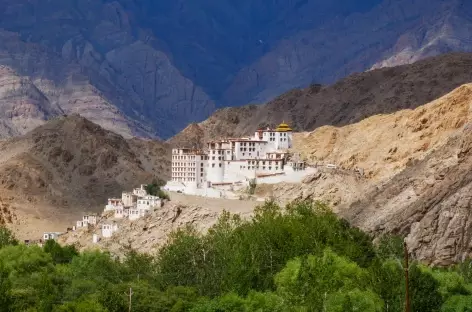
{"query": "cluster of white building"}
(233, 161)
(132, 205)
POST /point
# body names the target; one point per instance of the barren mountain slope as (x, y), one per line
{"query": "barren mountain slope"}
(429, 201)
(93, 58)
(37, 84)
(71, 165)
(388, 34)
(348, 101)
(417, 165)
(383, 144)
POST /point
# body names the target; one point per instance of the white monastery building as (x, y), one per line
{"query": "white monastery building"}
(109, 229)
(233, 160)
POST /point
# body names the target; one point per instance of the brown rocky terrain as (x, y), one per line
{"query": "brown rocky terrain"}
(69, 166)
(383, 144)
(416, 175)
(350, 100)
(429, 201)
(147, 234)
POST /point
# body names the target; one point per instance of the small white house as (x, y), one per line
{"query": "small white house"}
(81, 224)
(95, 238)
(91, 219)
(108, 229)
(147, 202)
(121, 213)
(135, 213)
(51, 235)
(141, 191)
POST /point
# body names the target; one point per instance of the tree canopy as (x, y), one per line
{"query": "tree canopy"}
(301, 258)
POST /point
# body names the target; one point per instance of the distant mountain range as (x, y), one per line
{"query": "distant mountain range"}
(149, 68)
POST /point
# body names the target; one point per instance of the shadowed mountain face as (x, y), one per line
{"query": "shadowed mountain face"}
(350, 100)
(147, 68)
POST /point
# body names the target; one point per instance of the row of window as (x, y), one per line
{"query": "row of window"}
(179, 164)
(180, 157)
(257, 167)
(254, 162)
(281, 134)
(183, 174)
(219, 152)
(183, 169)
(248, 143)
(185, 179)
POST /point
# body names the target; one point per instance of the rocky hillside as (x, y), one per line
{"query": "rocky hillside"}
(349, 100)
(384, 144)
(149, 69)
(416, 175)
(429, 201)
(69, 166)
(149, 233)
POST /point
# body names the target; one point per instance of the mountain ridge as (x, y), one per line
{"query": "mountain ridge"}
(140, 69)
(347, 101)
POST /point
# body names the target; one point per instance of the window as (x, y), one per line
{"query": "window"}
(219, 165)
(213, 165)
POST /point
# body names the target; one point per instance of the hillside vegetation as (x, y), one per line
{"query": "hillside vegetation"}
(305, 259)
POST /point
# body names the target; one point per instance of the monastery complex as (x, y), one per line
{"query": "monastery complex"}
(232, 163)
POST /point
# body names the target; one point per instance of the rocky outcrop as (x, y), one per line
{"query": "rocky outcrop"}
(429, 202)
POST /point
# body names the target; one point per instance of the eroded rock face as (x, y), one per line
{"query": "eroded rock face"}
(98, 63)
(429, 202)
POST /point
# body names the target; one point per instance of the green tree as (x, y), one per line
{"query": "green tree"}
(7, 238)
(32, 276)
(154, 189)
(424, 289)
(89, 305)
(458, 303)
(58, 253)
(310, 281)
(354, 300)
